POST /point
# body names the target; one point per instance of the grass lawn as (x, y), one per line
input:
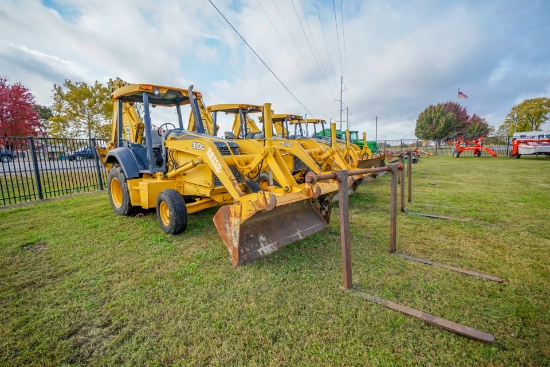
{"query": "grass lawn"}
(82, 286)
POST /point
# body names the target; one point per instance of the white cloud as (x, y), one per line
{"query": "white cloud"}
(399, 56)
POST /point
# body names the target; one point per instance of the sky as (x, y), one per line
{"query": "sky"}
(387, 60)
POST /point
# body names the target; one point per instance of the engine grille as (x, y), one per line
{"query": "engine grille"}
(224, 150)
(238, 176)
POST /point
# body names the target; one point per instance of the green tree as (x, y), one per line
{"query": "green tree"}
(445, 119)
(81, 110)
(529, 115)
(44, 113)
(440, 121)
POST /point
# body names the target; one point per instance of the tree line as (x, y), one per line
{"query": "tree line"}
(446, 119)
(81, 110)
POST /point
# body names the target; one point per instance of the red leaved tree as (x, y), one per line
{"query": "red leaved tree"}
(17, 115)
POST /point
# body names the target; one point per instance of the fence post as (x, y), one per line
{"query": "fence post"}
(35, 167)
(342, 176)
(393, 208)
(435, 141)
(507, 145)
(97, 167)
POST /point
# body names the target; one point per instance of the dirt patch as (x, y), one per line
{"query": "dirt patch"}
(39, 246)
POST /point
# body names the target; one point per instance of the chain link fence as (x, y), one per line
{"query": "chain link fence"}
(443, 147)
(38, 168)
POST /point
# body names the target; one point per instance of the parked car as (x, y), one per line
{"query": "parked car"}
(7, 156)
(80, 154)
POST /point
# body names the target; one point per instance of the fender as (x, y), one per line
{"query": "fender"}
(131, 164)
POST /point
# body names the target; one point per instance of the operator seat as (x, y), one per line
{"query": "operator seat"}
(156, 139)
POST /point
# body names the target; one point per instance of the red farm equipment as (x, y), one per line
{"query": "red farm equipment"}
(474, 143)
(530, 147)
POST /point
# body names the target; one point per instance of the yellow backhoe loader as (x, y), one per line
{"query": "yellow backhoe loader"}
(295, 157)
(355, 157)
(251, 139)
(178, 171)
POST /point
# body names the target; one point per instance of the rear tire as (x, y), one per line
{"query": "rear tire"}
(477, 153)
(118, 192)
(516, 156)
(5, 159)
(456, 154)
(251, 187)
(171, 211)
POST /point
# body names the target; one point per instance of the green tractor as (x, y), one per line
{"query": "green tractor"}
(354, 138)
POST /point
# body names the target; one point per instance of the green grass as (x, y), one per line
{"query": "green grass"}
(82, 286)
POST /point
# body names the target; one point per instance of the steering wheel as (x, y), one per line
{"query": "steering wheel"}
(162, 128)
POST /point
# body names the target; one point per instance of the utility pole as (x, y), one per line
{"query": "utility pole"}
(341, 89)
(347, 118)
(376, 129)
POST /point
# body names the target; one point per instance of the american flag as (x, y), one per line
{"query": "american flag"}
(461, 95)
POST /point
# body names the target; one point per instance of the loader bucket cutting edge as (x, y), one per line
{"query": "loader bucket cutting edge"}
(266, 231)
(370, 162)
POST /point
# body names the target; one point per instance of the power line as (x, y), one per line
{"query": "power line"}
(337, 36)
(288, 49)
(294, 40)
(325, 39)
(309, 44)
(344, 41)
(258, 56)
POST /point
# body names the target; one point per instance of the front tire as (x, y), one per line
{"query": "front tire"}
(118, 192)
(171, 211)
(477, 153)
(456, 154)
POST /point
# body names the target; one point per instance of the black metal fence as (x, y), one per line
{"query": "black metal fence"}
(443, 148)
(37, 168)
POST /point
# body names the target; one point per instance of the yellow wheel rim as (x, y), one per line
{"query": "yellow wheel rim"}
(164, 213)
(116, 192)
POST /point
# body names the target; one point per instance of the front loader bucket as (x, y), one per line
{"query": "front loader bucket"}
(265, 231)
(376, 161)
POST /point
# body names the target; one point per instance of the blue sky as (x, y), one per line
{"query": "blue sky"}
(396, 57)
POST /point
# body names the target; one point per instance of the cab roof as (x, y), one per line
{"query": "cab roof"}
(315, 121)
(234, 108)
(158, 94)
